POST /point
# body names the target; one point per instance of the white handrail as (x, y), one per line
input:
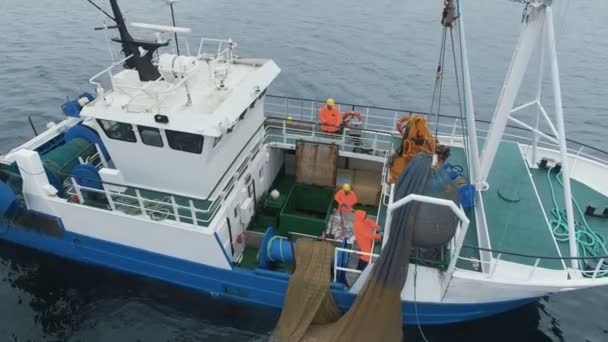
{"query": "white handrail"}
(93, 79)
(307, 110)
(430, 200)
(348, 269)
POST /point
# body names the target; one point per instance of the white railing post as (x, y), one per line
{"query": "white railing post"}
(110, 200)
(284, 132)
(389, 217)
(77, 189)
(102, 157)
(536, 262)
(395, 122)
(193, 213)
(175, 210)
(335, 265)
(454, 127)
(597, 268)
(140, 201)
(375, 142)
(494, 265)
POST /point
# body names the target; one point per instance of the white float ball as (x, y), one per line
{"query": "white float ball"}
(274, 194)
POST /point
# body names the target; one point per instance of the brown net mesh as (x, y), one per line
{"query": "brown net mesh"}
(316, 163)
(310, 313)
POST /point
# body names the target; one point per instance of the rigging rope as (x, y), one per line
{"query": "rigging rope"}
(439, 81)
(589, 243)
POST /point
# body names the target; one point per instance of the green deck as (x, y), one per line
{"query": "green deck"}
(517, 206)
(583, 195)
(515, 216)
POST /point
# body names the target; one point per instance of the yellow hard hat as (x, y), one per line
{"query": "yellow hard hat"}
(346, 187)
(330, 102)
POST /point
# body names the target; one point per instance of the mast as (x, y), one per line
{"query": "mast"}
(537, 30)
(142, 51)
(469, 109)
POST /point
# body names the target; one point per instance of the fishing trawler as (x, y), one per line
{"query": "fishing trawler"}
(181, 167)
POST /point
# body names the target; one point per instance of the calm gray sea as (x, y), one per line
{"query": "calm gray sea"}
(379, 53)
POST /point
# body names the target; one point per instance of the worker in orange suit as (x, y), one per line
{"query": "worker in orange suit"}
(346, 198)
(363, 229)
(329, 116)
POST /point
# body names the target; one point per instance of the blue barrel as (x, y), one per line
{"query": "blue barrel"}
(73, 108)
(8, 202)
(274, 249)
(466, 192)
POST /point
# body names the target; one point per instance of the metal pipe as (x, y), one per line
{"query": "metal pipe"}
(469, 109)
(559, 113)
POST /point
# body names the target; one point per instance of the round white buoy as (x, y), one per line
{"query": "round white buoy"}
(274, 194)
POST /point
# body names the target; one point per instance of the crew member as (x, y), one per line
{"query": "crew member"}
(346, 198)
(363, 229)
(329, 116)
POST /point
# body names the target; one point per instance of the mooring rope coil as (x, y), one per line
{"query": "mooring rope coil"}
(589, 242)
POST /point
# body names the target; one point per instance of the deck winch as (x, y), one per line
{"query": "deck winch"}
(80, 145)
(276, 249)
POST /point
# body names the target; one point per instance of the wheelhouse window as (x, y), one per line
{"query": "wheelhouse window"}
(118, 130)
(186, 142)
(150, 136)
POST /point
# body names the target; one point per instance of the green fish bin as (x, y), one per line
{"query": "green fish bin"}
(307, 210)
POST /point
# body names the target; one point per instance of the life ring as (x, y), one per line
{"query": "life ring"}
(400, 123)
(346, 117)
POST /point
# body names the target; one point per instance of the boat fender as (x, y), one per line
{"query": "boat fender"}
(8, 202)
(73, 108)
(87, 133)
(86, 175)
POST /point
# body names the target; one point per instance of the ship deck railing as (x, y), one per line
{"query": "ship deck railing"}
(154, 95)
(453, 246)
(364, 144)
(158, 205)
(599, 270)
(449, 128)
(337, 269)
(144, 203)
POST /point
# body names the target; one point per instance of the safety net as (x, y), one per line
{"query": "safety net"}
(310, 313)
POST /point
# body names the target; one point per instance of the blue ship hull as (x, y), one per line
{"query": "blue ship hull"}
(260, 287)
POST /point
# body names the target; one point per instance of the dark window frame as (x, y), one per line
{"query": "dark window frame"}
(262, 94)
(143, 140)
(242, 116)
(131, 138)
(217, 140)
(173, 135)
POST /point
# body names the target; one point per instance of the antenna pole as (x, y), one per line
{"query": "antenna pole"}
(173, 18)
